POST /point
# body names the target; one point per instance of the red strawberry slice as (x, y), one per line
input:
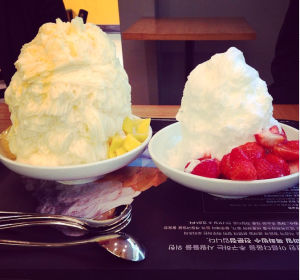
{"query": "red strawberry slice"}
(268, 151)
(187, 165)
(294, 166)
(206, 156)
(286, 152)
(207, 168)
(225, 166)
(274, 129)
(237, 154)
(267, 170)
(243, 170)
(217, 161)
(253, 150)
(293, 144)
(279, 162)
(268, 139)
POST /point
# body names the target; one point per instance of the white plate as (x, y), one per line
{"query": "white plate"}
(168, 137)
(76, 174)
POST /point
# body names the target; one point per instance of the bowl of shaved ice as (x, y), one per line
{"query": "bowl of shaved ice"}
(226, 141)
(70, 105)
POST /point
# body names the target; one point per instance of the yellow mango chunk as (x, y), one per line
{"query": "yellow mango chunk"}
(137, 123)
(120, 151)
(116, 142)
(4, 145)
(143, 128)
(141, 137)
(130, 143)
(111, 154)
(127, 125)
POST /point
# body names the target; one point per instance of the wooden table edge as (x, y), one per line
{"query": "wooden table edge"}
(281, 111)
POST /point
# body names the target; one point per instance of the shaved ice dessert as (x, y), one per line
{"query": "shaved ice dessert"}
(227, 123)
(68, 97)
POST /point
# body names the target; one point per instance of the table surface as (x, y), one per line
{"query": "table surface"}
(288, 112)
(189, 28)
(167, 234)
(188, 234)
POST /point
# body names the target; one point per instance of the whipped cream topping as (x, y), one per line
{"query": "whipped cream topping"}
(67, 97)
(224, 104)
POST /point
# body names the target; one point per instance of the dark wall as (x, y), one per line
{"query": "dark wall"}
(266, 17)
(139, 57)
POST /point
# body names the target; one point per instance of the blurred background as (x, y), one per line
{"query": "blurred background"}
(156, 69)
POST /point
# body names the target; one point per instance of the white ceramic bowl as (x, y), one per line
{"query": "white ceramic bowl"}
(167, 138)
(76, 174)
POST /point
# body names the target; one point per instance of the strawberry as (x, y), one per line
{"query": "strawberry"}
(207, 168)
(225, 166)
(279, 162)
(274, 129)
(267, 170)
(268, 151)
(218, 162)
(243, 170)
(194, 162)
(205, 156)
(286, 152)
(237, 154)
(293, 144)
(294, 166)
(270, 138)
(253, 150)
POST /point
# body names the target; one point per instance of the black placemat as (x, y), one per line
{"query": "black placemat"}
(188, 234)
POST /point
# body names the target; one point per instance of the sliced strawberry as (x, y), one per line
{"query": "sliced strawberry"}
(237, 154)
(270, 138)
(286, 152)
(274, 129)
(207, 168)
(294, 166)
(243, 170)
(217, 161)
(293, 144)
(267, 170)
(253, 150)
(225, 166)
(279, 162)
(206, 156)
(190, 165)
(268, 151)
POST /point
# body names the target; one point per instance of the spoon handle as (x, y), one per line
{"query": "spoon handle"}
(99, 239)
(41, 223)
(119, 244)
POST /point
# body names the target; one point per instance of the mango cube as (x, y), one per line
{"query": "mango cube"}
(127, 125)
(116, 142)
(143, 128)
(130, 143)
(120, 151)
(111, 154)
(141, 137)
(136, 123)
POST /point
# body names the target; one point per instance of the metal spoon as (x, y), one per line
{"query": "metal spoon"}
(121, 212)
(119, 244)
(104, 230)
